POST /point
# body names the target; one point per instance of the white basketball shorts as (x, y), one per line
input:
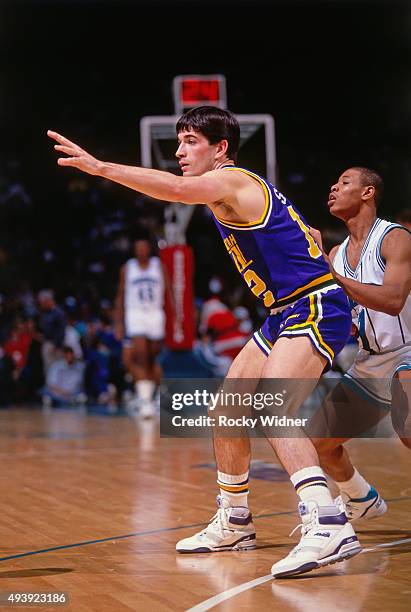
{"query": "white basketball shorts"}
(151, 325)
(373, 374)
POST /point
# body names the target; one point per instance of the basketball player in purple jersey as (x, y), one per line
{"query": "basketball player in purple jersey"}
(308, 324)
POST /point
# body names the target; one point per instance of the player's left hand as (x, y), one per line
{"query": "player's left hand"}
(333, 271)
(316, 234)
(77, 157)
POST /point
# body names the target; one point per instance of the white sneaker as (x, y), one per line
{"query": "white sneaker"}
(368, 507)
(327, 537)
(229, 529)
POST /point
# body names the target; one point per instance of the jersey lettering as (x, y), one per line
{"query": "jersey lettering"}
(234, 250)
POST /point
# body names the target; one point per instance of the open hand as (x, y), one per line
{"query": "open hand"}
(316, 234)
(77, 157)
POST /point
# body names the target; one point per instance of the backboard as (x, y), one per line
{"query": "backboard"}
(257, 143)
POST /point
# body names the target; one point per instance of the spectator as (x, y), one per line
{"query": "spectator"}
(65, 381)
(52, 326)
(72, 339)
(213, 304)
(17, 347)
(223, 332)
(32, 377)
(99, 374)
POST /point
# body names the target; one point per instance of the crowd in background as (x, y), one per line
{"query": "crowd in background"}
(63, 353)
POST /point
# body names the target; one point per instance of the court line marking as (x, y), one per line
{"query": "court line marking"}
(150, 532)
(245, 586)
(214, 601)
(98, 541)
(123, 537)
(386, 545)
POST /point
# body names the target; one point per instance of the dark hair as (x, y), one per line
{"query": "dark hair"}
(370, 177)
(139, 233)
(215, 124)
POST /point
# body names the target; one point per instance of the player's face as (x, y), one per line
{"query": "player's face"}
(142, 250)
(195, 154)
(345, 197)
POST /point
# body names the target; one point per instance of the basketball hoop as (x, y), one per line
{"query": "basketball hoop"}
(159, 141)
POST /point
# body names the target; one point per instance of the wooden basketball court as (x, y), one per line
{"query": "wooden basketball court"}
(93, 506)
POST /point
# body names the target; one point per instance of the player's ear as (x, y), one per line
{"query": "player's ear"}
(221, 149)
(368, 192)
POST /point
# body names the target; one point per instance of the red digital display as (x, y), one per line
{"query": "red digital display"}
(194, 91)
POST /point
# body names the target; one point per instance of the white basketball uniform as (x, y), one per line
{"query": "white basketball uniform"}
(385, 340)
(144, 300)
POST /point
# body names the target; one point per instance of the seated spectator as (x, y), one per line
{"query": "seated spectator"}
(18, 348)
(32, 376)
(65, 381)
(213, 305)
(223, 334)
(18, 345)
(99, 375)
(224, 331)
(242, 315)
(216, 365)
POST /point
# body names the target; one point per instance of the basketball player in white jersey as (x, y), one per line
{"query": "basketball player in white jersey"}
(140, 321)
(373, 266)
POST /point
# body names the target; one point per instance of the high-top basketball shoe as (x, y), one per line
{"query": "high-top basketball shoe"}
(229, 529)
(368, 507)
(327, 537)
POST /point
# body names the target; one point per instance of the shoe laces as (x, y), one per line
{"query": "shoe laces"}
(346, 506)
(307, 525)
(217, 524)
(305, 528)
(295, 529)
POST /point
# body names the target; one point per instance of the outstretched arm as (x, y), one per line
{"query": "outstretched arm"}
(211, 187)
(391, 295)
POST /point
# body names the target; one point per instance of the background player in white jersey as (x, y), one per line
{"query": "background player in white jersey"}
(373, 265)
(140, 322)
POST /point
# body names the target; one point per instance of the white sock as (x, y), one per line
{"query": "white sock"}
(311, 483)
(234, 488)
(145, 390)
(355, 488)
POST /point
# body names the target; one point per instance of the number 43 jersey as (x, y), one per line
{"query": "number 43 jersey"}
(276, 255)
(144, 287)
